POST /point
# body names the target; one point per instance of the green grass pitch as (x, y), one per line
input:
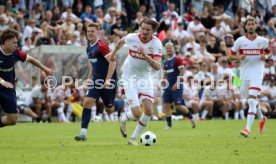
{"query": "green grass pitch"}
(215, 141)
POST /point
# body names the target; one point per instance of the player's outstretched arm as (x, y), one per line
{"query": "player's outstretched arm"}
(36, 63)
(117, 47)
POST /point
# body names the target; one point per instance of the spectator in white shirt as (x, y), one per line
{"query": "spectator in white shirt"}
(27, 44)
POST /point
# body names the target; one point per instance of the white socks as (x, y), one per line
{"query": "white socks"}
(61, 115)
(83, 131)
(251, 112)
(204, 114)
(142, 123)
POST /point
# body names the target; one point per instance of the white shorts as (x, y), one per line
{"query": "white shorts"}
(251, 87)
(136, 91)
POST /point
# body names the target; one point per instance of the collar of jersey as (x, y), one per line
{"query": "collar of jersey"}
(4, 52)
(91, 45)
(247, 36)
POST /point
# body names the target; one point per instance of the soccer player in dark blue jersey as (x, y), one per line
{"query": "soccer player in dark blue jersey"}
(9, 55)
(102, 80)
(173, 93)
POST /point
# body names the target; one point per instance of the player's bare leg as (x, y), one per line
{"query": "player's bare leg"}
(185, 110)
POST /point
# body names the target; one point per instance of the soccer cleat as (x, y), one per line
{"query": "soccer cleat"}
(262, 123)
(193, 123)
(245, 133)
(132, 141)
(81, 137)
(123, 128)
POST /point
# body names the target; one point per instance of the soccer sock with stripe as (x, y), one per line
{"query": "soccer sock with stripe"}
(251, 112)
(142, 123)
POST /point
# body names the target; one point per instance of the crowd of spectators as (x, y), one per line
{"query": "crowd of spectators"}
(202, 31)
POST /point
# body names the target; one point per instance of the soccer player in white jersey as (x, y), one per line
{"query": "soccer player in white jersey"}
(252, 51)
(145, 53)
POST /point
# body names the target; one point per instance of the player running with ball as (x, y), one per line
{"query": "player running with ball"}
(145, 53)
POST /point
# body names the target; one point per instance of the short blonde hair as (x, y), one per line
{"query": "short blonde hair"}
(92, 24)
(250, 18)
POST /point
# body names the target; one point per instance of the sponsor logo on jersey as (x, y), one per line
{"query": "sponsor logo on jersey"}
(93, 60)
(6, 69)
(251, 51)
(136, 54)
(169, 70)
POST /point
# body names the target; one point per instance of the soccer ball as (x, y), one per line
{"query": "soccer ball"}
(148, 138)
(97, 119)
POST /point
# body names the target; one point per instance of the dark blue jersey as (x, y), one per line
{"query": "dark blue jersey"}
(96, 55)
(171, 67)
(7, 62)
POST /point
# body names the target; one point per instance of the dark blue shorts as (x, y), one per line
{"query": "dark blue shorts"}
(8, 100)
(107, 95)
(119, 104)
(175, 97)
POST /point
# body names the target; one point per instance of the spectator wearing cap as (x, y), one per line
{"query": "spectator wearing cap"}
(87, 15)
(195, 27)
(118, 28)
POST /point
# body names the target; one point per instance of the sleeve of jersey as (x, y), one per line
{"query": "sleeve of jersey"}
(235, 48)
(22, 56)
(179, 62)
(127, 39)
(157, 53)
(103, 48)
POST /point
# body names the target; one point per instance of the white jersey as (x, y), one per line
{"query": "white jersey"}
(252, 68)
(135, 63)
